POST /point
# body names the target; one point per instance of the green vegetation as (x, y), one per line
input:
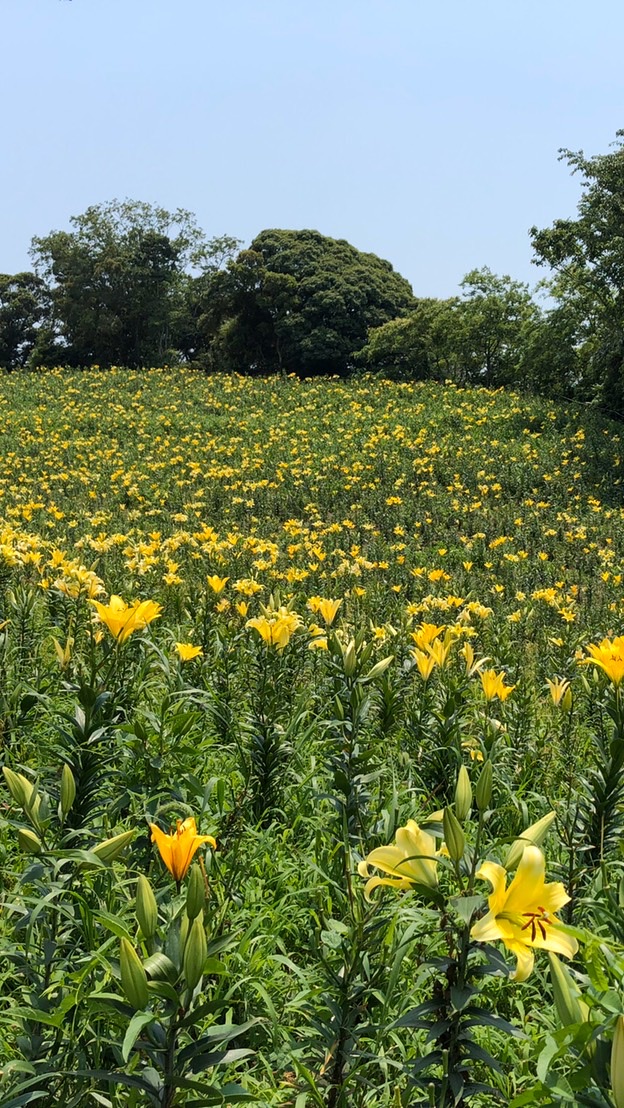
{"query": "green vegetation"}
(312, 731)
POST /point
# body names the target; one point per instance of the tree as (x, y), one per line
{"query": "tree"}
(24, 309)
(298, 302)
(420, 346)
(492, 322)
(587, 257)
(120, 279)
(479, 337)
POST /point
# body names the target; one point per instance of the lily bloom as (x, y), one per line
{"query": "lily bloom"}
(608, 655)
(122, 619)
(186, 651)
(522, 916)
(494, 685)
(410, 860)
(177, 850)
(216, 583)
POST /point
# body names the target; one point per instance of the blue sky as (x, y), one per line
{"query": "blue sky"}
(426, 133)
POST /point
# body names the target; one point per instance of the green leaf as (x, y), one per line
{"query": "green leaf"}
(136, 1025)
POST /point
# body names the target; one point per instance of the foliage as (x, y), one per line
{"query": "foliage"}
(298, 302)
(119, 281)
(24, 311)
(587, 257)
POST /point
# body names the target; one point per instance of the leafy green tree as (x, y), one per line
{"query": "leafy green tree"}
(420, 346)
(480, 337)
(587, 257)
(24, 310)
(120, 280)
(492, 323)
(298, 302)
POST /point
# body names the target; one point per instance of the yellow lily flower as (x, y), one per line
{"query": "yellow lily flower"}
(412, 859)
(425, 662)
(177, 850)
(522, 916)
(122, 619)
(560, 692)
(608, 655)
(275, 630)
(186, 651)
(494, 685)
(216, 583)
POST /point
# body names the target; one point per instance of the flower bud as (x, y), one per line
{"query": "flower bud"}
(28, 841)
(454, 837)
(535, 834)
(133, 976)
(379, 668)
(463, 794)
(146, 908)
(349, 659)
(617, 1064)
(565, 992)
(483, 790)
(19, 786)
(110, 849)
(68, 790)
(195, 893)
(195, 953)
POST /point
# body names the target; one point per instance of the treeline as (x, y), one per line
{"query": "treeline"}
(135, 285)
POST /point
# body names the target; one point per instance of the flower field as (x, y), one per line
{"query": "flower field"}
(312, 732)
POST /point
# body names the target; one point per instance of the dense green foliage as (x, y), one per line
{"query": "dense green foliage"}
(299, 302)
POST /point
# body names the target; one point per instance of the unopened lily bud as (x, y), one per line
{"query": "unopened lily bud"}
(454, 837)
(19, 786)
(535, 834)
(133, 976)
(110, 849)
(349, 659)
(565, 992)
(195, 952)
(195, 893)
(379, 668)
(617, 1064)
(483, 791)
(68, 790)
(28, 841)
(146, 908)
(463, 795)
(566, 700)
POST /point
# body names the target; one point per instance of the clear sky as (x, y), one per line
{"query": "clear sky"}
(424, 132)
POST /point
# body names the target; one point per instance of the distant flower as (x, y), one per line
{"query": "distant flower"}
(186, 651)
(494, 685)
(217, 584)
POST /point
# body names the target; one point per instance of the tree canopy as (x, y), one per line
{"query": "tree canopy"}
(299, 302)
(587, 257)
(118, 281)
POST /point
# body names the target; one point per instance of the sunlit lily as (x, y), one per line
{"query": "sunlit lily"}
(186, 651)
(216, 583)
(522, 916)
(493, 684)
(608, 655)
(177, 850)
(123, 619)
(410, 860)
